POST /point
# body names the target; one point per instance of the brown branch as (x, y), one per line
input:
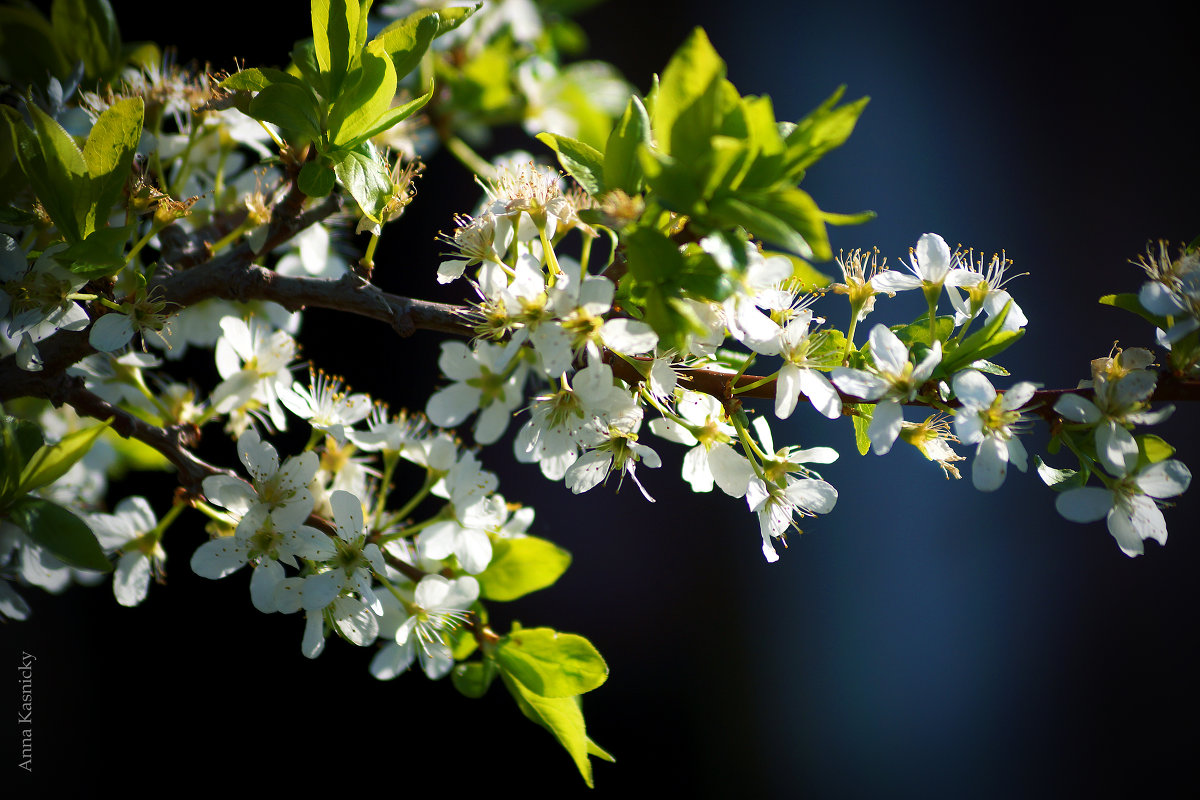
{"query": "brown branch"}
(1169, 389)
(173, 441)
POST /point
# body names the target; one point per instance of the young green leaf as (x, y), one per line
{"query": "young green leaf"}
(862, 421)
(101, 254)
(474, 678)
(826, 127)
(520, 566)
(19, 440)
(290, 106)
(86, 30)
(406, 40)
(108, 154)
(51, 461)
(563, 717)
(394, 116)
(316, 179)
(552, 664)
(54, 165)
(58, 530)
(1130, 302)
(358, 107)
(365, 178)
(31, 53)
(582, 162)
(687, 84)
(622, 168)
(335, 25)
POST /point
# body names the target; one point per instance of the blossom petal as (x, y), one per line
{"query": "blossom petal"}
(1165, 479)
(1085, 504)
(131, 579)
(450, 406)
(990, 465)
(885, 426)
(820, 392)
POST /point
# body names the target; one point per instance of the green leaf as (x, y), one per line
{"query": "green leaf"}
(551, 664)
(290, 106)
(474, 678)
(316, 179)
(335, 39)
(676, 184)
(652, 257)
(357, 108)
(394, 116)
(256, 79)
(563, 717)
(19, 440)
(984, 343)
(759, 222)
(365, 178)
(826, 127)
(688, 86)
(406, 40)
(304, 61)
(983, 365)
(520, 566)
(101, 254)
(1130, 302)
(54, 165)
(58, 530)
(133, 454)
(108, 154)
(1057, 479)
(622, 167)
(1152, 448)
(598, 751)
(862, 421)
(799, 212)
(583, 162)
(918, 331)
(51, 461)
(86, 31)
(30, 51)
(848, 219)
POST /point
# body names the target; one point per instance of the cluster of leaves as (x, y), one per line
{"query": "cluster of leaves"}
(698, 158)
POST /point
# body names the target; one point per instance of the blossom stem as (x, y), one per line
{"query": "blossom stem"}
(551, 258)
(431, 478)
(749, 386)
(469, 158)
(167, 519)
(854, 309)
(390, 459)
(416, 527)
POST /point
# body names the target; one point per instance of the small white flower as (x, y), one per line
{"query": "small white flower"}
(1129, 504)
(326, 407)
(893, 381)
(254, 361)
(129, 529)
(611, 439)
(489, 378)
(418, 629)
(932, 267)
(775, 504)
(351, 566)
(711, 460)
(990, 421)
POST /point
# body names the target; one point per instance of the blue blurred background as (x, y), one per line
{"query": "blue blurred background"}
(924, 640)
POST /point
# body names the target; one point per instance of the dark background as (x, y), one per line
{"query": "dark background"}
(924, 640)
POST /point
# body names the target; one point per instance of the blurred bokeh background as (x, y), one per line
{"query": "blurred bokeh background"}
(924, 640)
